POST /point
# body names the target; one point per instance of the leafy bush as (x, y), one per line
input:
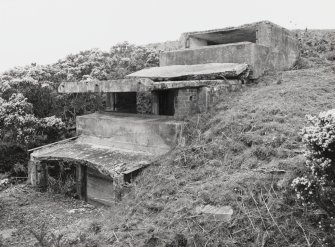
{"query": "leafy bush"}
(19, 125)
(17, 121)
(39, 83)
(317, 187)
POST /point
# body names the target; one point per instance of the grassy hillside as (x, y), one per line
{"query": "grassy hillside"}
(244, 154)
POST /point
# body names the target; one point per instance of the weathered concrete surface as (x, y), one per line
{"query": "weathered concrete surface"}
(192, 83)
(96, 86)
(263, 45)
(223, 213)
(143, 133)
(109, 161)
(196, 71)
(160, 85)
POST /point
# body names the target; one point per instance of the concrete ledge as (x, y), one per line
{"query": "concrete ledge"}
(195, 71)
(96, 86)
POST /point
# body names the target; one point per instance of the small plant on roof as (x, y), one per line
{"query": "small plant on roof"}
(317, 187)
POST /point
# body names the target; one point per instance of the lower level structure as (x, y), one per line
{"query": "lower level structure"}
(110, 149)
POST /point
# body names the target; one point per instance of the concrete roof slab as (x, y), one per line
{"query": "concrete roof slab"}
(109, 161)
(197, 71)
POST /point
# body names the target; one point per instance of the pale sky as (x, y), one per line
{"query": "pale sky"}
(44, 31)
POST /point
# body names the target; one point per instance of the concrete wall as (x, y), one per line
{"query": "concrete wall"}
(259, 57)
(187, 102)
(132, 132)
(190, 101)
(283, 44)
(233, 53)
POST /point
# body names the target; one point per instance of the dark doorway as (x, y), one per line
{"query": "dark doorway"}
(125, 102)
(166, 100)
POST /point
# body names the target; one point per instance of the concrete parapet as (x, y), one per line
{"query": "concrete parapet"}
(144, 133)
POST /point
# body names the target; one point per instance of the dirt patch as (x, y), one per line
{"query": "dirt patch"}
(23, 209)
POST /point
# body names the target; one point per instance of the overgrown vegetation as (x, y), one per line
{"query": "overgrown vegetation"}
(317, 186)
(317, 48)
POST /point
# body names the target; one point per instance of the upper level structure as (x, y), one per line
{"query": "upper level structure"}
(262, 45)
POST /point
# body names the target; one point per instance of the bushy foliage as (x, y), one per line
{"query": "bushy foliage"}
(317, 187)
(39, 83)
(19, 125)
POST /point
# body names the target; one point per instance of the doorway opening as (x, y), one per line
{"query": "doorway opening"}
(166, 102)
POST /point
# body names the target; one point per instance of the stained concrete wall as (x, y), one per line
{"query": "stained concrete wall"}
(153, 134)
(187, 102)
(190, 101)
(259, 57)
(233, 53)
(282, 43)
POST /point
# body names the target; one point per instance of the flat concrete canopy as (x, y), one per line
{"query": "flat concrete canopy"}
(96, 86)
(196, 71)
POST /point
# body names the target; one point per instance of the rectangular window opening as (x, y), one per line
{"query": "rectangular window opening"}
(223, 37)
(125, 102)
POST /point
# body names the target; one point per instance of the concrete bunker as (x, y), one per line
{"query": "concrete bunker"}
(113, 146)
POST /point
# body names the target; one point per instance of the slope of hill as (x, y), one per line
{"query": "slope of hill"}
(243, 154)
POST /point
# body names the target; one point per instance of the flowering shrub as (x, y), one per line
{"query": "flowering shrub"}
(317, 187)
(19, 125)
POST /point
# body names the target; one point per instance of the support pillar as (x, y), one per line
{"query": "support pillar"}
(41, 176)
(32, 172)
(111, 101)
(155, 103)
(81, 181)
(118, 183)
